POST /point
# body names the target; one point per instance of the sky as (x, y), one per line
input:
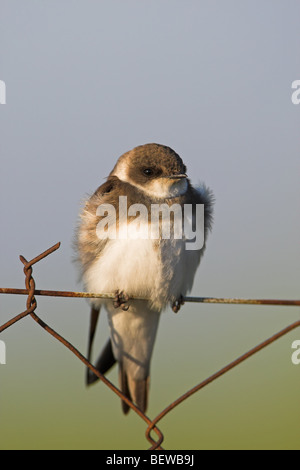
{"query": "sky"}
(89, 80)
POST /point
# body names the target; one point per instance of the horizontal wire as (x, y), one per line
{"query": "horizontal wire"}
(205, 300)
(32, 304)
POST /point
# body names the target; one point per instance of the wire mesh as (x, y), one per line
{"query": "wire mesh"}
(152, 428)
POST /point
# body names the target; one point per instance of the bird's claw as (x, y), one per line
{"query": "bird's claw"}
(177, 304)
(120, 300)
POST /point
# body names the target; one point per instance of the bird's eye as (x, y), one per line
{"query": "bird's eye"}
(148, 171)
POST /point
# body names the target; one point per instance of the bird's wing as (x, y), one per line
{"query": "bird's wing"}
(201, 194)
(88, 247)
(87, 244)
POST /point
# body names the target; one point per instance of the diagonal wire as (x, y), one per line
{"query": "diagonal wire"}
(109, 384)
(221, 372)
(31, 305)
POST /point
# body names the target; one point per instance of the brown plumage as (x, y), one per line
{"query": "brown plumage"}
(160, 270)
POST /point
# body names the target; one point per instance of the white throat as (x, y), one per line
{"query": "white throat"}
(158, 187)
(161, 189)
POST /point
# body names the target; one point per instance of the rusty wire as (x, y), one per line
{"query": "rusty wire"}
(31, 305)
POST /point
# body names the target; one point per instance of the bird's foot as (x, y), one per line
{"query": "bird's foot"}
(177, 304)
(120, 300)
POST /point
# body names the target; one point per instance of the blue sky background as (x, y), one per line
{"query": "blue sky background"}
(87, 81)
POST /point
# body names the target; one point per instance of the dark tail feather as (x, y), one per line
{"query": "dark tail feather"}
(124, 388)
(106, 359)
(136, 390)
(93, 325)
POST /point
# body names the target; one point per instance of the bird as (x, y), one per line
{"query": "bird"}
(145, 274)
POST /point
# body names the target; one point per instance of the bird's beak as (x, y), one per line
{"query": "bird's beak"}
(175, 177)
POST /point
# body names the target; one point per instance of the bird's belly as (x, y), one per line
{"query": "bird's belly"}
(133, 266)
(158, 270)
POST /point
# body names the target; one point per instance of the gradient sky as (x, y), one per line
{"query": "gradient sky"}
(87, 81)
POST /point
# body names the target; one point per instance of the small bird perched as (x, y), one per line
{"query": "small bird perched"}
(157, 271)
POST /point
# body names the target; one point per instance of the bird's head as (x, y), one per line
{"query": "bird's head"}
(153, 168)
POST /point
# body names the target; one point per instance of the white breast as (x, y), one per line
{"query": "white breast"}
(159, 270)
(133, 266)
